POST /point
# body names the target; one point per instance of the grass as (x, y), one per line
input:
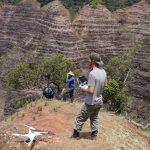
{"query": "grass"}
(59, 117)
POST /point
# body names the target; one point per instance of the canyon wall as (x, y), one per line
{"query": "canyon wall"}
(136, 20)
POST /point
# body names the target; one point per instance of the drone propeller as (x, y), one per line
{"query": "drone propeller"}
(15, 134)
(22, 136)
(29, 127)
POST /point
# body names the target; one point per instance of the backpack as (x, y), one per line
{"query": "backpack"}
(48, 92)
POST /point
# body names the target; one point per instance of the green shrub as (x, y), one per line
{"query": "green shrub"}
(115, 95)
(10, 1)
(148, 1)
(21, 102)
(118, 66)
(117, 4)
(44, 2)
(22, 76)
(74, 5)
(111, 90)
(94, 3)
(33, 72)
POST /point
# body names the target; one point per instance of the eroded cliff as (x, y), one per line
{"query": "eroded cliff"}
(136, 20)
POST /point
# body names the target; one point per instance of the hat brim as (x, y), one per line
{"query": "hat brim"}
(100, 63)
(71, 73)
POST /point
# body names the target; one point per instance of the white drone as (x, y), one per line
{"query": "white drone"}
(29, 138)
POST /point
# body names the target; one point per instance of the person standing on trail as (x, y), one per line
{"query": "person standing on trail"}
(93, 101)
(71, 85)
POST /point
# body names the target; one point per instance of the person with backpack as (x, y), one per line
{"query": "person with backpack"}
(70, 80)
(93, 101)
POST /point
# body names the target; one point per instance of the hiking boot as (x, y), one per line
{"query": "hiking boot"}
(75, 134)
(94, 135)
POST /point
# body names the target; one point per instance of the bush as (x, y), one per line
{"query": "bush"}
(148, 1)
(10, 1)
(115, 95)
(28, 74)
(117, 4)
(94, 3)
(74, 5)
(44, 2)
(118, 66)
(55, 68)
(21, 102)
(22, 76)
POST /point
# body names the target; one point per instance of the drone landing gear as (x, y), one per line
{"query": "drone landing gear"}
(28, 140)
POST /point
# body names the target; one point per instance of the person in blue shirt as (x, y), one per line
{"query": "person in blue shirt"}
(71, 85)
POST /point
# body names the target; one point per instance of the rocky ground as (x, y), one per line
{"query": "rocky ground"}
(116, 132)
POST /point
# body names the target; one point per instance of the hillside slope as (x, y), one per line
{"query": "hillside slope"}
(116, 133)
(49, 29)
(136, 20)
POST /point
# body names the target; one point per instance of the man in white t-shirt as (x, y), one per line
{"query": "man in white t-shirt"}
(97, 80)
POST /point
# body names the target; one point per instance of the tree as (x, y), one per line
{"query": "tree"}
(44, 2)
(115, 96)
(148, 1)
(119, 68)
(56, 66)
(33, 73)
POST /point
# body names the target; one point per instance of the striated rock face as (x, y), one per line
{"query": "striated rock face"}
(49, 29)
(100, 31)
(136, 20)
(44, 30)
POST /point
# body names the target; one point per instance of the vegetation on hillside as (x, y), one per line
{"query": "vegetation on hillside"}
(44, 2)
(148, 1)
(117, 4)
(34, 70)
(119, 72)
(10, 1)
(115, 95)
(75, 5)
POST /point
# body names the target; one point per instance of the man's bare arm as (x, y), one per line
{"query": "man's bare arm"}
(106, 83)
(89, 90)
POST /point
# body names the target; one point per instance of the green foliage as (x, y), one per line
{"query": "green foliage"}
(23, 75)
(112, 90)
(94, 3)
(10, 1)
(115, 95)
(119, 65)
(56, 66)
(21, 102)
(32, 73)
(117, 4)
(44, 2)
(74, 5)
(148, 1)
(118, 69)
